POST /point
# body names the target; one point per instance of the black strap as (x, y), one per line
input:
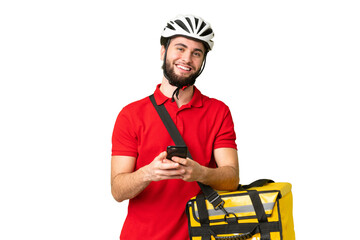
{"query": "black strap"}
(257, 183)
(203, 217)
(203, 212)
(212, 196)
(169, 123)
(260, 213)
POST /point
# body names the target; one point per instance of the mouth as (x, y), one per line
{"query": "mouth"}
(184, 68)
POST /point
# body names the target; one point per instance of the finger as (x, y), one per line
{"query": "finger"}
(168, 165)
(162, 155)
(170, 173)
(167, 161)
(170, 177)
(182, 161)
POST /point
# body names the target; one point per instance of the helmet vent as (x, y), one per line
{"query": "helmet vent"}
(207, 32)
(189, 21)
(201, 27)
(171, 27)
(182, 25)
(196, 22)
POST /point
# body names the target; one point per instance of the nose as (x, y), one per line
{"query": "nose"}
(187, 56)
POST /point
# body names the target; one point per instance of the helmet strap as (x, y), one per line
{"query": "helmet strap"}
(165, 54)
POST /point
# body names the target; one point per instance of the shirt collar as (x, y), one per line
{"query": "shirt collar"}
(160, 98)
(196, 101)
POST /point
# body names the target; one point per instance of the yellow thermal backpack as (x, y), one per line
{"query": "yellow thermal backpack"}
(261, 210)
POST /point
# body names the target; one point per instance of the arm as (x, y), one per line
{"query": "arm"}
(224, 177)
(127, 183)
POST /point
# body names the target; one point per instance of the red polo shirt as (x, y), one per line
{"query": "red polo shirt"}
(205, 124)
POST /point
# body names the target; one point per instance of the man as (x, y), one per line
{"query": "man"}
(158, 188)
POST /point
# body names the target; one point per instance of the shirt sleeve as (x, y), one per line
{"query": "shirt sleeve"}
(226, 136)
(124, 139)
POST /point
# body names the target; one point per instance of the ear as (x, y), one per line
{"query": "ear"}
(162, 52)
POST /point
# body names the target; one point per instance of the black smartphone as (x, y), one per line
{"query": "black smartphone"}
(176, 151)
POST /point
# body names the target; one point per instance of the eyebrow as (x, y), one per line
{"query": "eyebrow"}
(183, 45)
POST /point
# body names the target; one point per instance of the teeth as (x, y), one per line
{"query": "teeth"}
(183, 68)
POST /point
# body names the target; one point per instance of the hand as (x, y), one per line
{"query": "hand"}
(161, 168)
(192, 171)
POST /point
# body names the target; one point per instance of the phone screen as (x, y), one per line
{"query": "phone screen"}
(176, 151)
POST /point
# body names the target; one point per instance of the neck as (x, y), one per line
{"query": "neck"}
(185, 95)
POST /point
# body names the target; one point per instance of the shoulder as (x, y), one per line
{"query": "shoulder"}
(214, 104)
(133, 112)
(136, 106)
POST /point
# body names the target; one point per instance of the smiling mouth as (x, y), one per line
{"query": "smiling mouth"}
(188, 69)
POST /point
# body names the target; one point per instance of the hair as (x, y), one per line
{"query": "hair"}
(164, 42)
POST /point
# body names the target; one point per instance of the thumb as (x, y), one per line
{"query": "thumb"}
(161, 156)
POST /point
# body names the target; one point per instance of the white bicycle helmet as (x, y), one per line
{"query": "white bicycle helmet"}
(189, 26)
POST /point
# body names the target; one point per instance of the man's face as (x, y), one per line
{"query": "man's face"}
(183, 60)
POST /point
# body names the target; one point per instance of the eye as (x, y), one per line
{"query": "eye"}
(180, 49)
(197, 54)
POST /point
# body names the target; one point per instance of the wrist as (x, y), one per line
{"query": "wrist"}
(144, 174)
(203, 173)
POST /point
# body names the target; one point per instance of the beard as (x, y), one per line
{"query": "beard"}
(176, 80)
